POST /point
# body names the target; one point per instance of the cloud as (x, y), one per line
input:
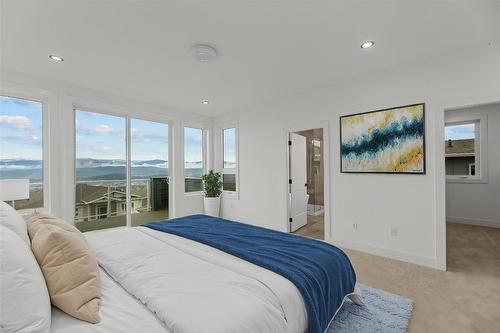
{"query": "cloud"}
(18, 122)
(103, 149)
(29, 139)
(98, 129)
(139, 135)
(103, 129)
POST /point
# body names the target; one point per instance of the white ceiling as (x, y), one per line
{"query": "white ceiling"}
(268, 49)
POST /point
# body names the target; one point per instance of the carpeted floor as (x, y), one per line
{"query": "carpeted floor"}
(466, 298)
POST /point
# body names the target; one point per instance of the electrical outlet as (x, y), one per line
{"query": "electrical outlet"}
(394, 231)
(355, 226)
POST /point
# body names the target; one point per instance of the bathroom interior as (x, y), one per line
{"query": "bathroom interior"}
(315, 226)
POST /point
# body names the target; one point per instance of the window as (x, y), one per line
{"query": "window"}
(102, 192)
(462, 149)
(229, 163)
(21, 146)
(149, 171)
(100, 171)
(193, 159)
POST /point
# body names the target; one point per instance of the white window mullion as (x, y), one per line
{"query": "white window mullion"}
(128, 164)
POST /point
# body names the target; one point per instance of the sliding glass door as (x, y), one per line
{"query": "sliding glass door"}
(149, 190)
(21, 147)
(100, 171)
(105, 197)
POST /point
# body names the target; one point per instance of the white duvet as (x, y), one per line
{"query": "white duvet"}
(120, 313)
(191, 294)
(193, 288)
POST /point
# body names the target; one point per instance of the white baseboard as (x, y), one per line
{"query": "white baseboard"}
(388, 253)
(479, 222)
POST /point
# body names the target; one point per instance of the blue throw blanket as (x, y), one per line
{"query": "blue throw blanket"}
(321, 272)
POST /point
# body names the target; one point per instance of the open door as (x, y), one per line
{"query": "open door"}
(297, 182)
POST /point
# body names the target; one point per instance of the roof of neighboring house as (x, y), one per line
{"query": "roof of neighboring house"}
(459, 147)
(86, 193)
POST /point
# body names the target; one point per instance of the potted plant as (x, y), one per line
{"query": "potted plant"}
(212, 185)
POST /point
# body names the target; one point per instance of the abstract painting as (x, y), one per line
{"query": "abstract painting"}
(384, 141)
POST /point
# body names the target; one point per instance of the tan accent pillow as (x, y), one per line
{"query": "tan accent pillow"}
(68, 265)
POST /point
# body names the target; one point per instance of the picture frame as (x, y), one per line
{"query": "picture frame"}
(384, 141)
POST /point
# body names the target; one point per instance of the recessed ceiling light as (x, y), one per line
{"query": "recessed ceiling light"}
(56, 58)
(204, 102)
(367, 44)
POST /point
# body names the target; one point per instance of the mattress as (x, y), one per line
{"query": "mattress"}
(157, 282)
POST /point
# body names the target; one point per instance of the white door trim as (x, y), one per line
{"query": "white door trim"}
(440, 174)
(297, 146)
(325, 125)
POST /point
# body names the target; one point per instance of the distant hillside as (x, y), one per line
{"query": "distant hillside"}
(96, 169)
(20, 164)
(90, 163)
(93, 163)
(97, 163)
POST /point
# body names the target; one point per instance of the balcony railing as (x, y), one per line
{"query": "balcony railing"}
(101, 204)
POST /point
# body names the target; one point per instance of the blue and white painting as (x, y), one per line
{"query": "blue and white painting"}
(386, 141)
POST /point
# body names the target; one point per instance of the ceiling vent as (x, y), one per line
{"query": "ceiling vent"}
(203, 53)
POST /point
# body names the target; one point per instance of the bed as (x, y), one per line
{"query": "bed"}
(156, 280)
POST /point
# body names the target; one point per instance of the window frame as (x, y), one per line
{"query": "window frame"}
(81, 107)
(480, 148)
(220, 159)
(204, 155)
(128, 116)
(35, 96)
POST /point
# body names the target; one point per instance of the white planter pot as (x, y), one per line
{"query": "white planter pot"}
(212, 206)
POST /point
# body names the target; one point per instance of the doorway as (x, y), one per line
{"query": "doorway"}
(472, 165)
(306, 190)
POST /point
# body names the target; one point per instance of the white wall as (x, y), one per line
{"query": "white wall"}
(415, 204)
(478, 203)
(60, 99)
(412, 203)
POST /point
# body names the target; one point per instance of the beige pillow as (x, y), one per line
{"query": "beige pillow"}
(68, 265)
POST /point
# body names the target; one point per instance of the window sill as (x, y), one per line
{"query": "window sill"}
(466, 180)
(230, 195)
(194, 194)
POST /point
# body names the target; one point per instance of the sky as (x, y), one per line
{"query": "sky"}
(458, 132)
(193, 144)
(20, 129)
(229, 147)
(149, 140)
(98, 136)
(101, 136)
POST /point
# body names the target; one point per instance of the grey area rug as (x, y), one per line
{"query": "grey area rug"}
(382, 312)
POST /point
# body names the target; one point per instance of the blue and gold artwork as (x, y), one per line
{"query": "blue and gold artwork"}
(385, 141)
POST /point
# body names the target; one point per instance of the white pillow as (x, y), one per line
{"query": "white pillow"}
(24, 299)
(11, 219)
